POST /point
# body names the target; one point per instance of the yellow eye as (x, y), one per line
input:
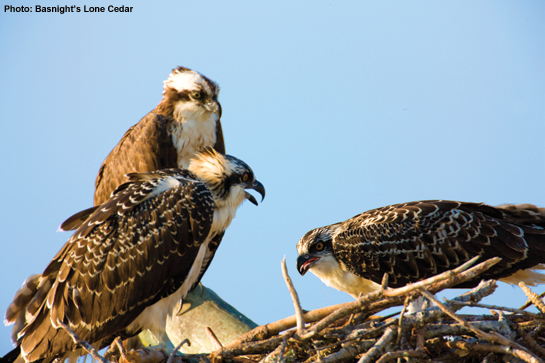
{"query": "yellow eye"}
(245, 177)
(319, 246)
(196, 95)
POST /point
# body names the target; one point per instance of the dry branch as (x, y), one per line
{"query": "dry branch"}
(296, 304)
(388, 336)
(83, 344)
(213, 338)
(402, 354)
(533, 297)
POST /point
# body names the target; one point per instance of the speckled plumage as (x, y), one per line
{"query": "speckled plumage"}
(416, 240)
(133, 257)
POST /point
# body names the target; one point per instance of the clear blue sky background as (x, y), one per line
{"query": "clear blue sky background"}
(339, 107)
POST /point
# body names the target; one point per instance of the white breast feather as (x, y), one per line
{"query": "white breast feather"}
(329, 271)
(226, 210)
(195, 129)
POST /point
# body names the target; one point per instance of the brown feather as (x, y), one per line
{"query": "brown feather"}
(91, 273)
(416, 240)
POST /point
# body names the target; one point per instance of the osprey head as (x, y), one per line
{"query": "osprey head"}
(226, 176)
(190, 95)
(316, 253)
(315, 250)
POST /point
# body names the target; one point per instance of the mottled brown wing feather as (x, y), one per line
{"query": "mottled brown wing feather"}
(75, 221)
(114, 267)
(147, 146)
(416, 240)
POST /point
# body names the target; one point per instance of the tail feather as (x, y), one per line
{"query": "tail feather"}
(23, 296)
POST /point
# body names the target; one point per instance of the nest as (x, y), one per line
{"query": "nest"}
(354, 331)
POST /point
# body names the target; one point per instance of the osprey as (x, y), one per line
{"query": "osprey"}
(133, 259)
(186, 120)
(416, 240)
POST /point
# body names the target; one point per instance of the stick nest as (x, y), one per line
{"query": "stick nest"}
(356, 331)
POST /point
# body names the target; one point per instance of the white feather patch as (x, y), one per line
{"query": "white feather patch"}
(187, 80)
(195, 129)
(529, 276)
(329, 271)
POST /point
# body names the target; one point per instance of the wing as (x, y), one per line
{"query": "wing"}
(417, 240)
(147, 146)
(133, 250)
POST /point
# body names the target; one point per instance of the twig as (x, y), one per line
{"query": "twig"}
(529, 303)
(478, 347)
(296, 304)
(86, 346)
(495, 338)
(533, 297)
(117, 343)
(495, 307)
(534, 346)
(370, 333)
(273, 356)
(282, 349)
(529, 339)
(348, 352)
(484, 289)
(386, 338)
(400, 322)
(213, 338)
(441, 329)
(144, 355)
(402, 354)
(248, 347)
(173, 354)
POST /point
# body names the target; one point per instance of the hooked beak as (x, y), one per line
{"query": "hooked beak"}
(305, 262)
(213, 106)
(258, 187)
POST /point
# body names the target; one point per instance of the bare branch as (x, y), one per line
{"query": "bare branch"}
(296, 304)
(175, 351)
(529, 303)
(494, 307)
(402, 354)
(86, 346)
(533, 297)
(213, 338)
(388, 336)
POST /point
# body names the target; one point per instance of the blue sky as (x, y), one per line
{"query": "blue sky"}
(339, 107)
